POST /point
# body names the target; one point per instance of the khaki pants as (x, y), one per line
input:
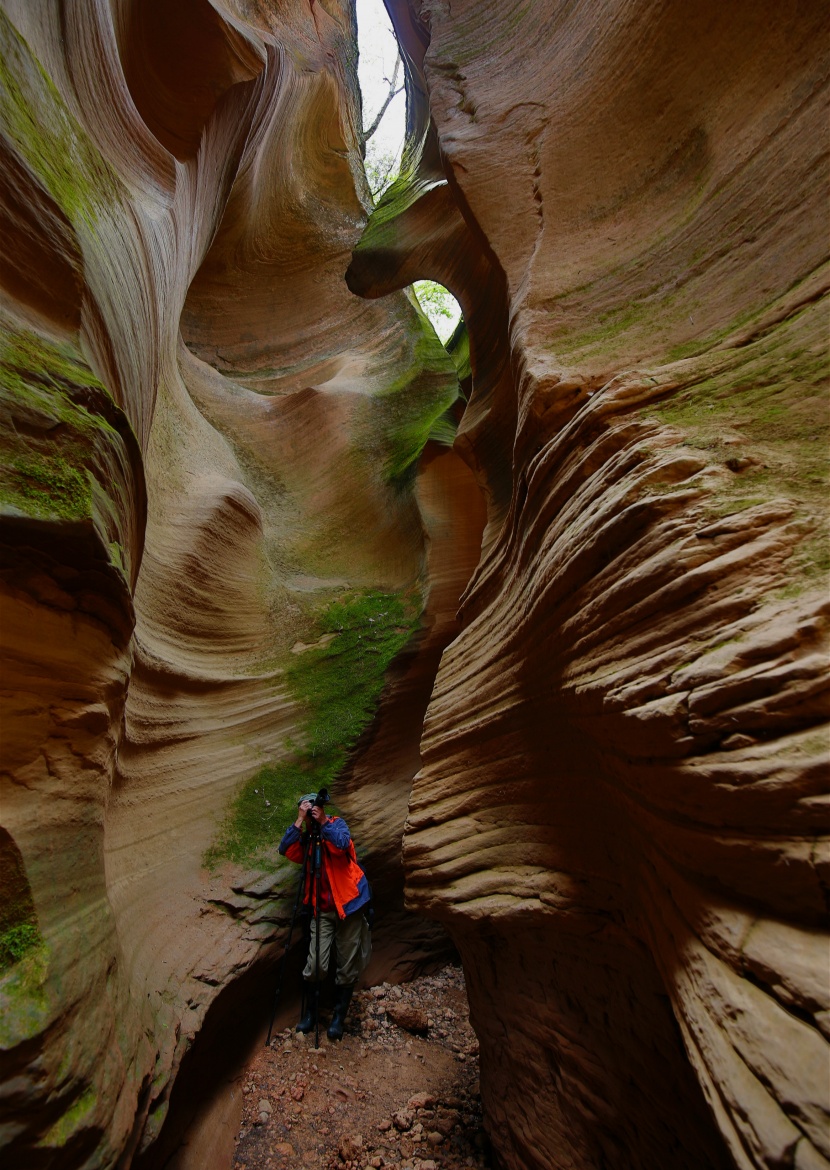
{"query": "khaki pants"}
(352, 942)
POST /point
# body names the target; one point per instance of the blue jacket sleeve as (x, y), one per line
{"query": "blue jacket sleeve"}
(336, 833)
(291, 834)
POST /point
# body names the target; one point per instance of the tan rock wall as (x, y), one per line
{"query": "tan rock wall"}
(621, 809)
(620, 812)
(206, 436)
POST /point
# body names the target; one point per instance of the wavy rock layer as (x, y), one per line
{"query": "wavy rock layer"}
(623, 774)
(621, 811)
(206, 436)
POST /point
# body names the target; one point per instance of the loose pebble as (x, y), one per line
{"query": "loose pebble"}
(407, 1076)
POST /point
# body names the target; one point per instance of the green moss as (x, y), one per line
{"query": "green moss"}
(444, 429)
(763, 415)
(19, 934)
(49, 439)
(41, 373)
(402, 417)
(47, 136)
(16, 942)
(339, 687)
(458, 347)
(815, 745)
(44, 484)
(117, 555)
(66, 1125)
(23, 999)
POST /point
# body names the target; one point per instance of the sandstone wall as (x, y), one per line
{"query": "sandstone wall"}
(206, 438)
(622, 808)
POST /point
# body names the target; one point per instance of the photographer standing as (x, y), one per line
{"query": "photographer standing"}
(343, 895)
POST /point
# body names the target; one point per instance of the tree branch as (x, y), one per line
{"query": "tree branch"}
(393, 93)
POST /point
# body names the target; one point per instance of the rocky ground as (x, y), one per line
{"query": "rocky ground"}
(399, 1091)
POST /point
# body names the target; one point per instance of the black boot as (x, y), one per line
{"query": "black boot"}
(308, 1021)
(342, 999)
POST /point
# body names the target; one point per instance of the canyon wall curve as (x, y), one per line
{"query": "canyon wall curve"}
(210, 447)
(594, 702)
(621, 812)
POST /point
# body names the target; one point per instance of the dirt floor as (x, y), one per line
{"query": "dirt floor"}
(400, 1090)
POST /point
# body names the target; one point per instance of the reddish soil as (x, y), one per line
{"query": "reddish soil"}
(402, 1095)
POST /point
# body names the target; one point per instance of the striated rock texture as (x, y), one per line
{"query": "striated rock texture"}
(622, 809)
(206, 438)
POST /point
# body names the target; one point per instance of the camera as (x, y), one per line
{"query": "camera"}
(318, 799)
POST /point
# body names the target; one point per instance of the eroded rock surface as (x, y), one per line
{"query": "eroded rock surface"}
(622, 805)
(207, 437)
(621, 792)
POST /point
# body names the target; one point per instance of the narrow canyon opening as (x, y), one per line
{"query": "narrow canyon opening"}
(540, 596)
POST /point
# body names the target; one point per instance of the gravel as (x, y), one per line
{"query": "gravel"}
(384, 1097)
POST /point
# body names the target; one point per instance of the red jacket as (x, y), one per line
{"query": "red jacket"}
(347, 881)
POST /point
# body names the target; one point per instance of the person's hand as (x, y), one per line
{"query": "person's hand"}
(305, 805)
(319, 814)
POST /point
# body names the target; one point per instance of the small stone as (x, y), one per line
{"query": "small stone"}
(428, 1165)
(264, 1107)
(740, 462)
(435, 1138)
(411, 1019)
(422, 1100)
(385, 1125)
(351, 1147)
(403, 1119)
(298, 1092)
(283, 1149)
(738, 740)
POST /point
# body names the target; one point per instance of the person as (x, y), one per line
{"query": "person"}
(340, 918)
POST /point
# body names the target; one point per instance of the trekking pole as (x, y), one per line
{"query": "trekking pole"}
(297, 900)
(318, 865)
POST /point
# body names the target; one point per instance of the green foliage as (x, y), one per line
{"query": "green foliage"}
(339, 686)
(439, 305)
(16, 942)
(382, 168)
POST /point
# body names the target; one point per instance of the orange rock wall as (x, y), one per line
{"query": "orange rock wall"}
(622, 805)
(199, 422)
(620, 801)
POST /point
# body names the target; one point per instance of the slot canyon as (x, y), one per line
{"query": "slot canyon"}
(546, 606)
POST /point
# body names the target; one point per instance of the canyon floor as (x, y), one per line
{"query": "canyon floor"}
(400, 1090)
